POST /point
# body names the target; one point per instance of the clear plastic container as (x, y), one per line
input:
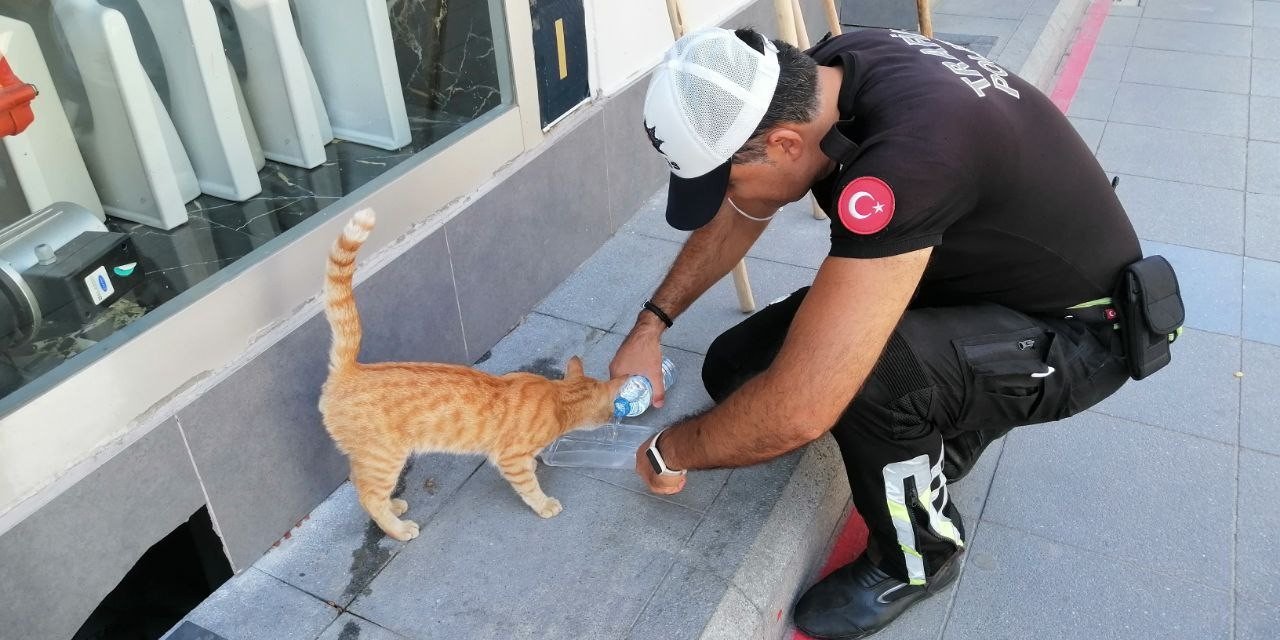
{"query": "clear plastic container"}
(612, 446)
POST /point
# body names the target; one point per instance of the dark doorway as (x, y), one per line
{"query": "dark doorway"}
(170, 579)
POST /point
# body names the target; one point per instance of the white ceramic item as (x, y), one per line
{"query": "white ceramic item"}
(279, 87)
(202, 97)
(349, 45)
(133, 151)
(44, 159)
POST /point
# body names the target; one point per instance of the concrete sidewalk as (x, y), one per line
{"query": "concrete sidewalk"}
(1151, 516)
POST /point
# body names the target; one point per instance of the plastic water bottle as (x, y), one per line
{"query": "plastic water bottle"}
(637, 392)
(614, 445)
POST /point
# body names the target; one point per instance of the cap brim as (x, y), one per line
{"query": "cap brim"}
(693, 202)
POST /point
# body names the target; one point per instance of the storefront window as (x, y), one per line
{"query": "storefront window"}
(117, 198)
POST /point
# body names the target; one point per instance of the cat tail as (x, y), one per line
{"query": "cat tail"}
(339, 299)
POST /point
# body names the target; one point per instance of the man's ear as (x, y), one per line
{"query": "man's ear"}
(785, 142)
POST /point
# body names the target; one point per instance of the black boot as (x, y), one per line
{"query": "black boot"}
(962, 450)
(859, 599)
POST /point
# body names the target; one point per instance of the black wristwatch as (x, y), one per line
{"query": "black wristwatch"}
(655, 459)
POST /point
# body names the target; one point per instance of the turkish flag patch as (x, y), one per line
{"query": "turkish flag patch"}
(866, 205)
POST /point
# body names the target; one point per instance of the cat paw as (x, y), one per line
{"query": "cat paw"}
(399, 506)
(407, 531)
(550, 508)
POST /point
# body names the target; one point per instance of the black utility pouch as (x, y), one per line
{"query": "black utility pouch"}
(1151, 312)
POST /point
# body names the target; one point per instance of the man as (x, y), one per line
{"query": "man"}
(974, 243)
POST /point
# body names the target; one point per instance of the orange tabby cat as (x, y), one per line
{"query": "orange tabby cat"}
(380, 414)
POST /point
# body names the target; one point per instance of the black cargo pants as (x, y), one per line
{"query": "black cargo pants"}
(948, 376)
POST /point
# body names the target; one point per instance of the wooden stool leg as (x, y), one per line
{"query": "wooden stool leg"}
(833, 18)
(926, 18)
(746, 300)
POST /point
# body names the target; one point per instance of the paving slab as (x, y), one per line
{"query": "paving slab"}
(1197, 393)
(1259, 402)
(1210, 282)
(1238, 12)
(1264, 167)
(1163, 153)
(1090, 130)
(1094, 98)
(256, 606)
(1017, 585)
(1262, 300)
(1164, 211)
(1196, 37)
(1257, 565)
(1096, 482)
(1225, 114)
(1188, 70)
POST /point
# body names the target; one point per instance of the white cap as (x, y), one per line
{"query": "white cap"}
(704, 102)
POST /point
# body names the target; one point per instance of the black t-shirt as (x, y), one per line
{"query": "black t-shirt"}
(945, 149)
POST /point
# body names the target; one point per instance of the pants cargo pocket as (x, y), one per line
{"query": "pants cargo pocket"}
(1006, 378)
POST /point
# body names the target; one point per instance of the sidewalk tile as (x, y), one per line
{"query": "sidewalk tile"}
(610, 286)
(1197, 393)
(1262, 225)
(1118, 30)
(488, 567)
(1257, 565)
(1262, 300)
(1212, 11)
(651, 220)
(1264, 167)
(337, 549)
(541, 344)
(256, 606)
(727, 533)
(1196, 37)
(718, 309)
(1225, 114)
(1266, 44)
(1018, 586)
(1165, 154)
(683, 603)
(1172, 212)
(795, 237)
(349, 627)
(1090, 130)
(1256, 620)
(1188, 70)
(1126, 490)
(1007, 9)
(1264, 118)
(1093, 99)
(1210, 283)
(1266, 14)
(971, 492)
(1259, 402)
(1266, 78)
(1107, 62)
(1001, 28)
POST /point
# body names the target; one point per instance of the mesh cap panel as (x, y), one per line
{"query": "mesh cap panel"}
(711, 109)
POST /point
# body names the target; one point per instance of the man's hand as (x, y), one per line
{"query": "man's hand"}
(641, 353)
(659, 484)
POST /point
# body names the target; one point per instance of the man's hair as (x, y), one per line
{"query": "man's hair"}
(795, 99)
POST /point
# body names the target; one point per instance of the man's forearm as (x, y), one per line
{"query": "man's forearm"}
(748, 429)
(708, 254)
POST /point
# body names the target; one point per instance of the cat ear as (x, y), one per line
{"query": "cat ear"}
(574, 368)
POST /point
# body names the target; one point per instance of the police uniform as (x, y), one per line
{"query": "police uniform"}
(939, 147)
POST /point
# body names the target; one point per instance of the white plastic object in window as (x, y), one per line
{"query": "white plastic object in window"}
(44, 158)
(202, 97)
(132, 149)
(279, 87)
(352, 54)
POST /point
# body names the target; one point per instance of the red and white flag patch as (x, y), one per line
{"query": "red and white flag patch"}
(866, 205)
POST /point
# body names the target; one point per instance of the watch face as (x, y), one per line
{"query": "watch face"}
(653, 461)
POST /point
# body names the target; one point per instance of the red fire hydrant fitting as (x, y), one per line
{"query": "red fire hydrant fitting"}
(15, 101)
